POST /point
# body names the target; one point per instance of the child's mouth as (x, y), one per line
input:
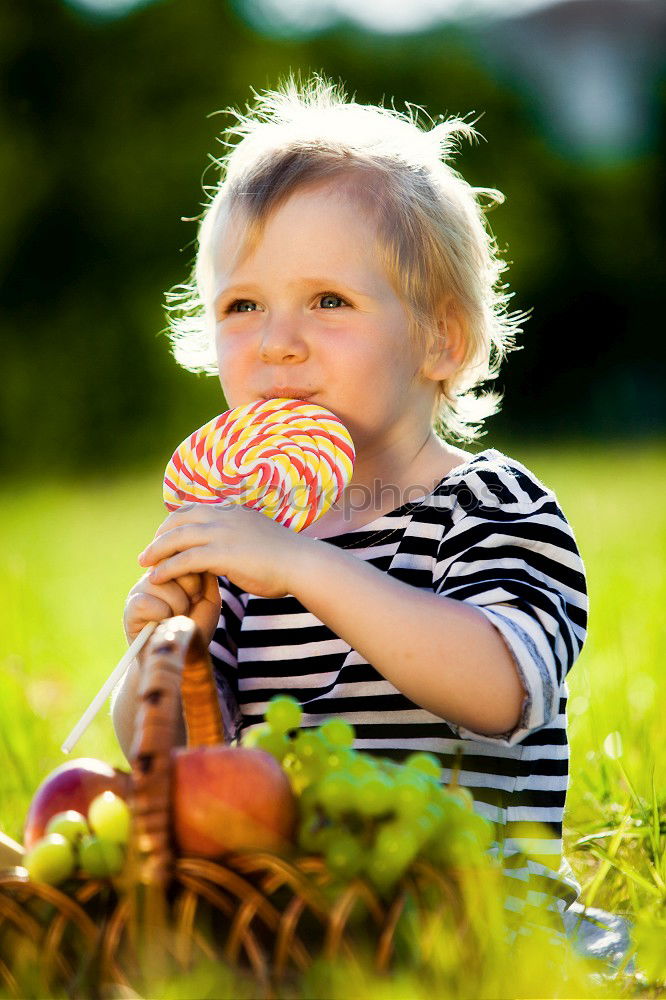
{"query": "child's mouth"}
(286, 392)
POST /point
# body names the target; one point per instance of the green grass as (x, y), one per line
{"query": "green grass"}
(68, 557)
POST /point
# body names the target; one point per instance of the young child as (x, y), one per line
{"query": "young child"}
(440, 604)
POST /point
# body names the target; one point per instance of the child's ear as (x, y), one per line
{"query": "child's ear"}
(446, 356)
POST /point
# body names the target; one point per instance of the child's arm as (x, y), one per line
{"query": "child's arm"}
(443, 654)
(486, 650)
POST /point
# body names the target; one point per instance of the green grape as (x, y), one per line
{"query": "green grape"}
(336, 793)
(313, 834)
(275, 744)
(344, 856)
(308, 800)
(463, 795)
(311, 772)
(387, 766)
(51, 860)
(300, 777)
(383, 872)
(249, 737)
(450, 803)
(396, 843)
(411, 793)
(283, 713)
(311, 749)
(101, 858)
(340, 759)
(262, 737)
(290, 762)
(298, 781)
(422, 829)
(461, 850)
(426, 763)
(312, 840)
(338, 732)
(435, 815)
(109, 818)
(69, 824)
(431, 850)
(456, 811)
(373, 794)
(362, 766)
(429, 822)
(433, 785)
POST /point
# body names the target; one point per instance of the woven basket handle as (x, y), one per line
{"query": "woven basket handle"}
(174, 664)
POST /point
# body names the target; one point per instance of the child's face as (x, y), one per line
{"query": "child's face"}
(310, 311)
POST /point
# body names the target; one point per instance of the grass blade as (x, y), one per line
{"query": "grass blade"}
(626, 870)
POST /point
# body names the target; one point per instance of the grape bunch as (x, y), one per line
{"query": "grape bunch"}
(95, 845)
(369, 816)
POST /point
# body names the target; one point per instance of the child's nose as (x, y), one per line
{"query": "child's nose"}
(282, 337)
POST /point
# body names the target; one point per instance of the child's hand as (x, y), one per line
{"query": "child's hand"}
(242, 544)
(196, 595)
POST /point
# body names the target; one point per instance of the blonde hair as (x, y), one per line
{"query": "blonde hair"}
(432, 234)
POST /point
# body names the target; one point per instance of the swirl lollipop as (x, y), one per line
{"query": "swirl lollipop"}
(288, 458)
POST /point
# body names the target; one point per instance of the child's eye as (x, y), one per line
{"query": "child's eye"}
(331, 301)
(242, 306)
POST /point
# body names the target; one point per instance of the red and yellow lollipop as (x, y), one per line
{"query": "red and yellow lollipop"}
(289, 458)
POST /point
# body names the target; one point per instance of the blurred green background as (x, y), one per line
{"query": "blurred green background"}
(107, 125)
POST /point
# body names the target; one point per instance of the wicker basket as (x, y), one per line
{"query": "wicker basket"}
(267, 916)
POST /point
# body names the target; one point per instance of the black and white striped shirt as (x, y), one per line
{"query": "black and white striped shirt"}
(491, 534)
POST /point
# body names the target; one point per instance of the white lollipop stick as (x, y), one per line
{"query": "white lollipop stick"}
(108, 686)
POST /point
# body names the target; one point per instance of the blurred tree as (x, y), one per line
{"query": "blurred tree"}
(107, 129)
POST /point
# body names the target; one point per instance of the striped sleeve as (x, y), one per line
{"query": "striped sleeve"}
(511, 552)
(224, 655)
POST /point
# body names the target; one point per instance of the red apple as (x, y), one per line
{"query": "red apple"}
(230, 798)
(71, 786)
